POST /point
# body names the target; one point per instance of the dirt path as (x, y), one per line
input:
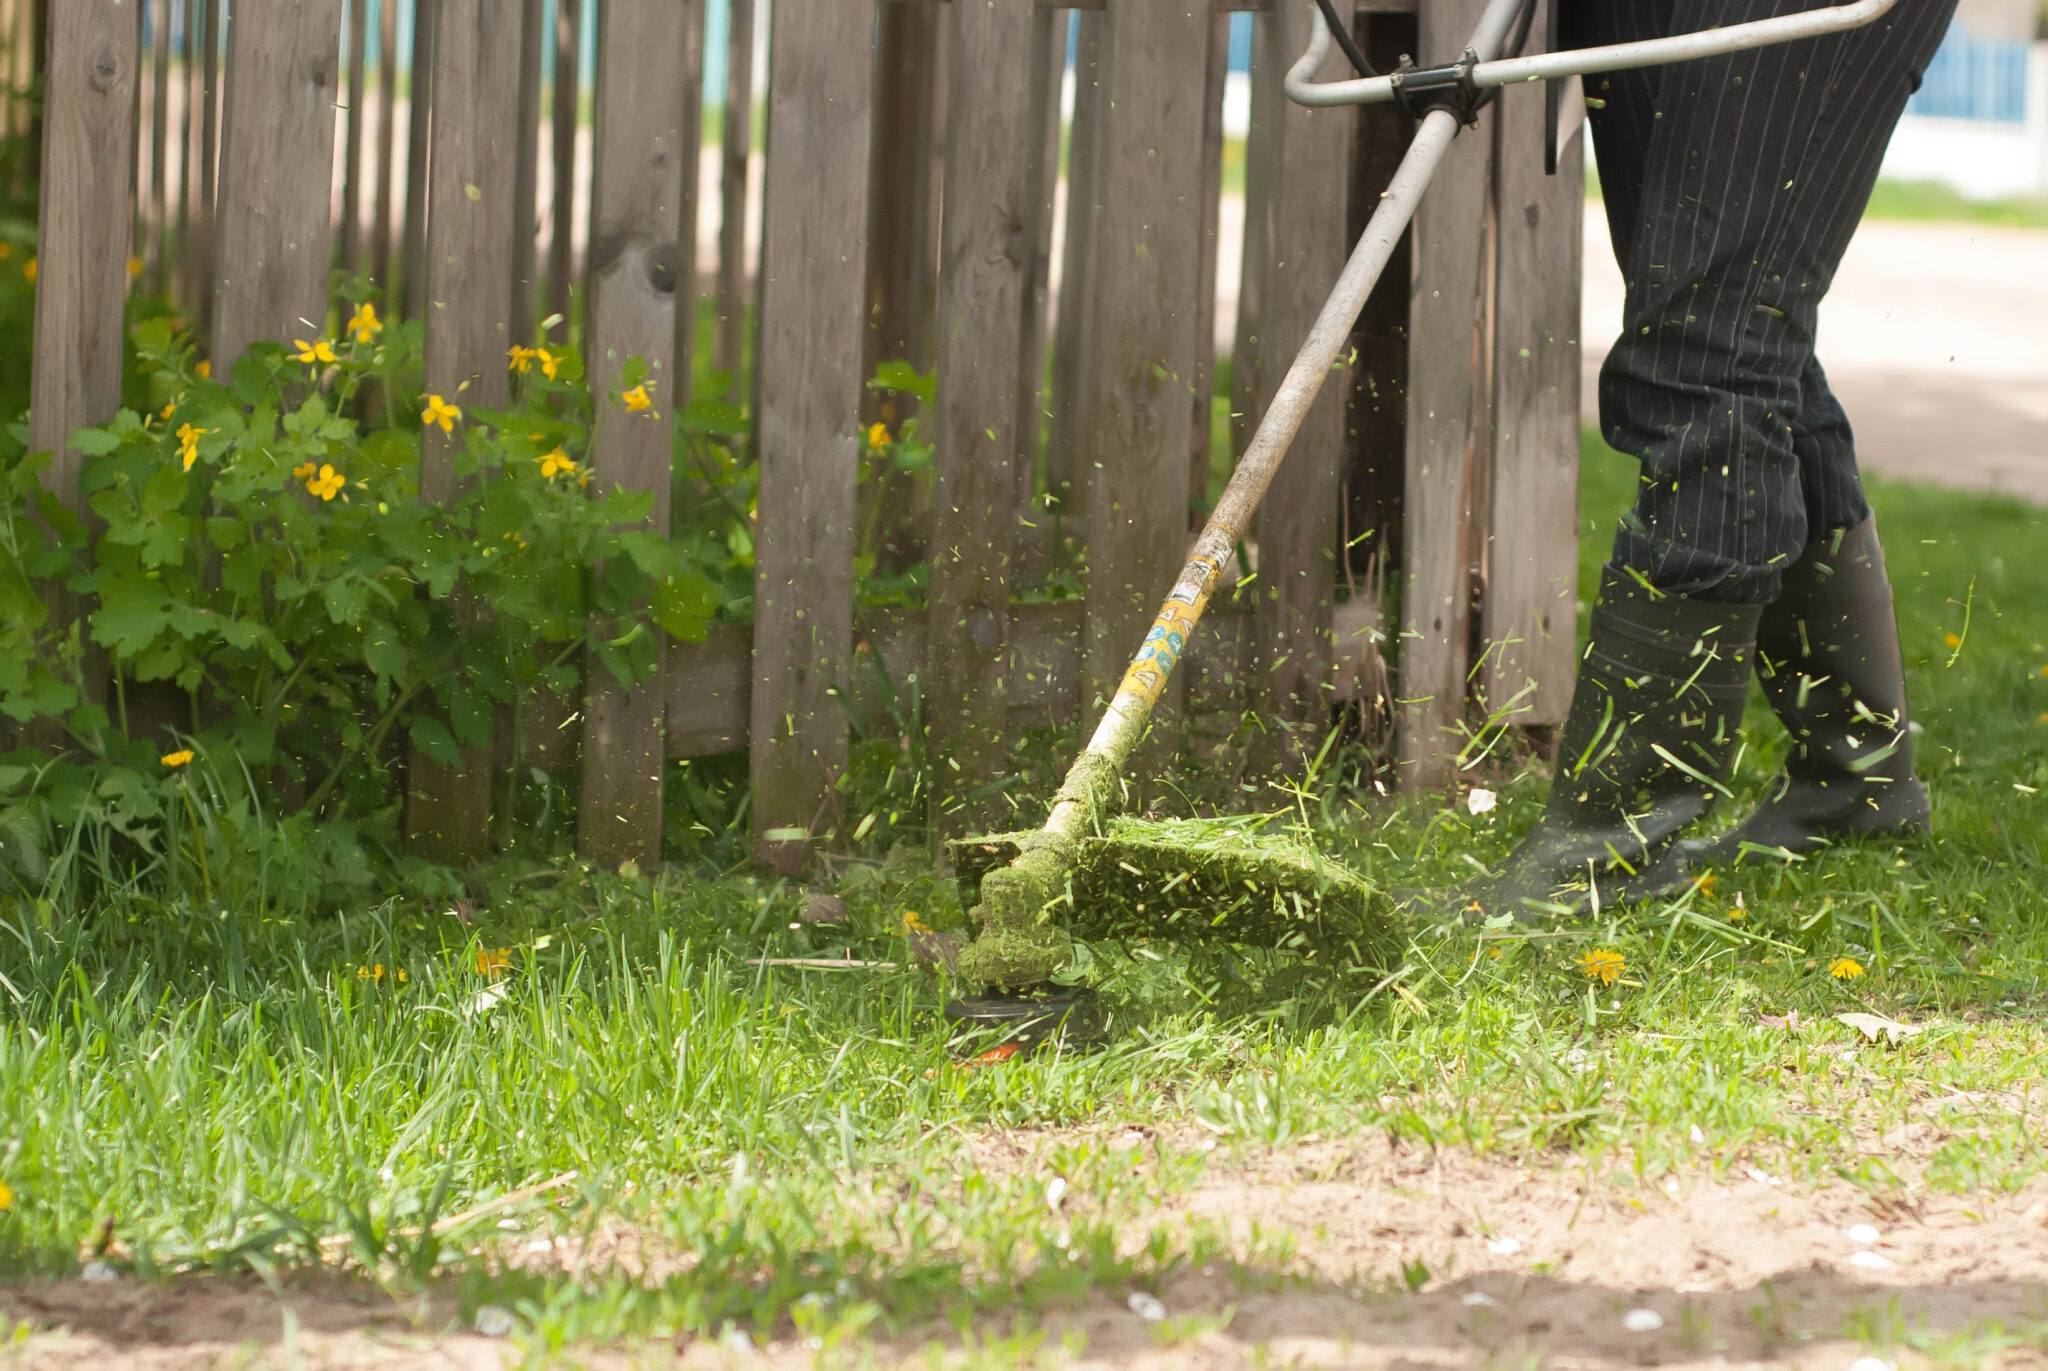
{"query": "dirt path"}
(1935, 337)
(1540, 1265)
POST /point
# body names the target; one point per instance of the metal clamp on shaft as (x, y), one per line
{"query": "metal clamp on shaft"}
(1451, 88)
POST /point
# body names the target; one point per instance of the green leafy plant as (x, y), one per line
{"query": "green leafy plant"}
(264, 589)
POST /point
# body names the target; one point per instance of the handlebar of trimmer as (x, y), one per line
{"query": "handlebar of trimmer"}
(1481, 72)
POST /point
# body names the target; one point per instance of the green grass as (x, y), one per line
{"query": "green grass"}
(199, 1088)
(1924, 202)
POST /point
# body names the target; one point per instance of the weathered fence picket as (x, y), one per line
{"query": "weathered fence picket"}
(644, 176)
(1135, 398)
(808, 388)
(916, 153)
(1532, 590)
(1447, 431)
(82, 235)
(1303, 248)
(991, 219)
(275, 215)
(474, 217)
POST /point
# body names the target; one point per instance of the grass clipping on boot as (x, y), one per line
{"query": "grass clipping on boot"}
(1209, 880)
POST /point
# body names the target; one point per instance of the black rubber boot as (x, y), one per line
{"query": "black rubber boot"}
(1645, 752)
(1828, 658)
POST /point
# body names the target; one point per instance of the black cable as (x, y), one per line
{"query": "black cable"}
(1342, 33)
(1524, 22)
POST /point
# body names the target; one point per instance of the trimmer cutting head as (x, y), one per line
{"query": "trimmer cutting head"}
(1230, 880)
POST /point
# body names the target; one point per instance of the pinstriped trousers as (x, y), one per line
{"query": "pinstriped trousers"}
(1732, 187)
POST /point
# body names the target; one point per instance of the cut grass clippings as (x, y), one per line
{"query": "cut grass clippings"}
(774, 1147)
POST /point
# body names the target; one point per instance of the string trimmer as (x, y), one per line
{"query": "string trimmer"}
(1089, 873)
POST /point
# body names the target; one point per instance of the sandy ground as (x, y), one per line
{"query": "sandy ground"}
(1935, 337)
(1530, 1265)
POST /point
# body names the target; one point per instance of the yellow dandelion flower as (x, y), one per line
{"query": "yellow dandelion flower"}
(1602, 965)
(2044, 672)
(6, 1198)
(372, 974)
(402, 977)
(637, 400)
(439, 411)
(557, 463)
(1705, 884)
(1951, 640)
(878, 435)
(315, 353)
(205, 370)
(327, 484)
(1845, 968)
(493, 961)
(174, 760)
(913, 924)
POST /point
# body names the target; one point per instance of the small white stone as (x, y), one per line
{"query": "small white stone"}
(1699, 1139)
(1478, 1299)
(493, 1322)
(735, 1340)
(1863, 1235)
(1642, 1321)
(1480, 801)
(1870, 1261)
(1504, 1247)
(1055, 1191)
(99, 1273)
(1146, 1307)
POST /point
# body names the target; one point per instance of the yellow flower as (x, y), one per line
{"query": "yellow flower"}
(1845, 968)
(135, 268)
(313, 353)
(556, 463)
(550, 363)
(439, 411)
(373, 974)
(1705, 884)
(1602, 966)
(174, 760)
(168, 410)
(6, 251)
(2044, 672)
(6, 1198)
(205, 371)
(402, 977)
(493, 961)
(1951, 640)
(28, 270)
(327, 484)
(522, 358)
(188, 443)
(913, 924)
(637, 400)
(878, 435)
(364, 325)
(305, 471)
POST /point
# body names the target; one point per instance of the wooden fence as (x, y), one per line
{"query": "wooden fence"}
(926, 165)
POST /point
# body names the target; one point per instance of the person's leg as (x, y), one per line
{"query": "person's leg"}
(1754, 180)
(1751, 179)
(1829, 661)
